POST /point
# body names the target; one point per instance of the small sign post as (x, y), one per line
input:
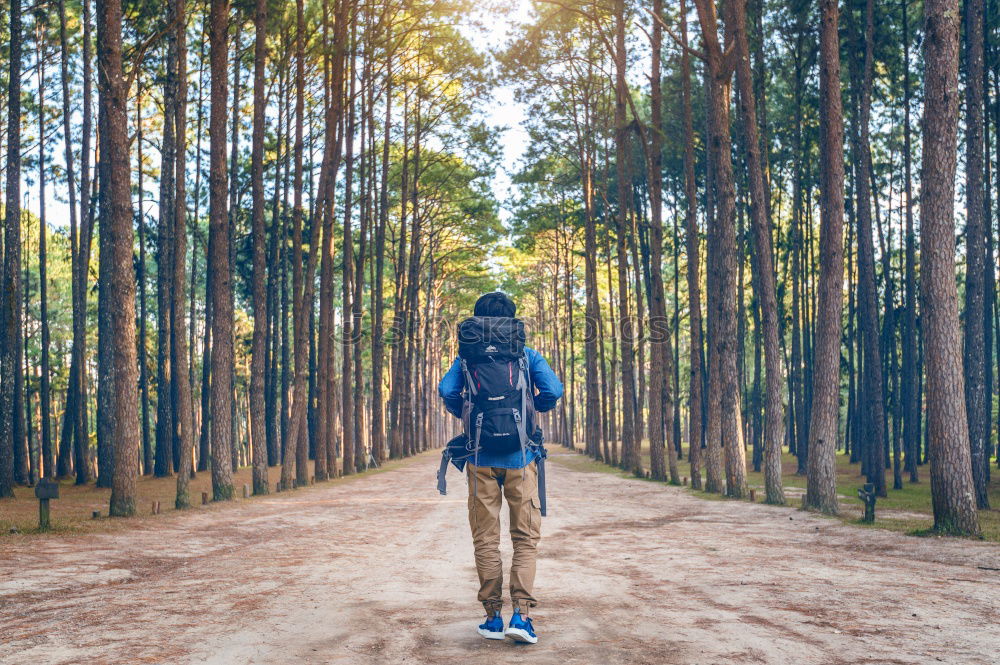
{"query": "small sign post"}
(45, 490)
(868, 496)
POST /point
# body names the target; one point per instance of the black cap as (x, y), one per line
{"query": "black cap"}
(495, 303)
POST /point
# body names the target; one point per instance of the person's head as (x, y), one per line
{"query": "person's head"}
(495, 303)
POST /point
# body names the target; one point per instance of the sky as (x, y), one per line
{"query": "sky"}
(504, 111)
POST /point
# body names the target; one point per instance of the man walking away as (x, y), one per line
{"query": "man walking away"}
(496, 386)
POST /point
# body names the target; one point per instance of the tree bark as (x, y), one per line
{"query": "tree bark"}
(181, 380)
(147, 447)
(911, 415)
(631, 459)
(347, 276)
(165, 462)
(692, 246)
(952, 487)
(70, 412)
(289, 443)
(378, 333)
(117, 359)
(81, 434)
(258, 355)
(44, 393)
(764, 278)
(874, 398)
(975, 358)
(222, 294)
(10, 293)
(821, 490)
(661, 408)
(724, 338)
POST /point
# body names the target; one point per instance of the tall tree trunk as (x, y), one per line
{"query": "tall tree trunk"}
(117, 360)
(258, 355)
(288, 443)
(713, 410)
(975, 357)
(661, 408)
(378, 306)
(347, 275)
(631, 459)
(10, 289)
(409, 393)
(692, 245)
(873, 424)
(764, 269)
(81, 436)
(821, 491)
(272, 382)
(147, 446)
(63, 461)
(44, 393)
(205, 436)
(911, 415)
(234, 203)
(30, 449)
(360, 458)
(395, 397)
(952, 487)
(219, 256)
(164, 261)
(326, 320)
(181, 381)
(725, 335)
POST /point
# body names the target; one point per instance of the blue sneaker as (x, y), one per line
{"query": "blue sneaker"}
(520, 629)
(493, 628)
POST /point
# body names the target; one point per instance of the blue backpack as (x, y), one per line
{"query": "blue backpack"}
(498, 413)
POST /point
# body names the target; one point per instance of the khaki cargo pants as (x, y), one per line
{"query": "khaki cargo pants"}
(487, 485)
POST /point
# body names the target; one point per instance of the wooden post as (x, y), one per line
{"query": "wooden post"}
(868, 495)
(204, 498)
(246, 491)
(753, 495)
(45, 490)
(43, 514)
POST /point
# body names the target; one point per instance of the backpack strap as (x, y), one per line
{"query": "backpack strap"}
(443, 470)
(526, 442)
(520, 415)
(479, 431)
(540, 460)
(467, 394)
(457, 452)
(469, 383)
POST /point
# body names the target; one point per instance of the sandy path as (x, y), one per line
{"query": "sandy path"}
(380, 570)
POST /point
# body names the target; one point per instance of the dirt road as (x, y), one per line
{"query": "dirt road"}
(380, 570)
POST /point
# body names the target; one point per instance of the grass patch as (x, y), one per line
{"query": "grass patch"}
(906, 510)
(71, 513)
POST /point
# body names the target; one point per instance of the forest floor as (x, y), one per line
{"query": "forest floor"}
(907, 510)
(379, 569)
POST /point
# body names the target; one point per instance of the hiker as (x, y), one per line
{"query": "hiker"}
(496, 386)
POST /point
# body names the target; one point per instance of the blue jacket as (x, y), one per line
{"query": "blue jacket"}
(548, 390)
